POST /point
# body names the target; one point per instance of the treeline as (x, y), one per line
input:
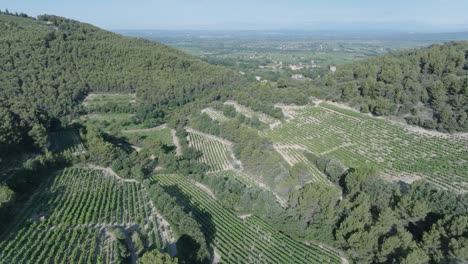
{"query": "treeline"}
(47, 68)
(262, 97)
(428, 87)
(21, 14)
(192, 246)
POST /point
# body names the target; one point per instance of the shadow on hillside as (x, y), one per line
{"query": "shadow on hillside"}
(191, 207)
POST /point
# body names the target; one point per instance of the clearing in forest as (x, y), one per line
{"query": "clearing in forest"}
(143, 137)
(249, 240)
(361, 140)
(67, 220)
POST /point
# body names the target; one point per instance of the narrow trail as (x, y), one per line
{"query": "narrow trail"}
(344, 145)
(108, 171)
(205, 189)
(175, 141)
(339, 113)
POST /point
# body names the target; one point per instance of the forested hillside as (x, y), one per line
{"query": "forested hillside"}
(48, 65)
(428, 87)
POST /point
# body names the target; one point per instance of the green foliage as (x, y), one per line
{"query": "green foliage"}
(434, 79)
(49, 68)
(333, 168)
(155, 257)
(182, 223)
(6, 195)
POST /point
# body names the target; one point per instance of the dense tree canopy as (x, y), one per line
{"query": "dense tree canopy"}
(48, 65)
(427, 87)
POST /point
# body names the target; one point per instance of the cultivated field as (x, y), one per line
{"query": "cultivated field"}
(357, 140)
(215, 114)
(68, 219)
(217, 153)
(248, 240)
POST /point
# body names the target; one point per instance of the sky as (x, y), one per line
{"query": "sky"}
(346, 15)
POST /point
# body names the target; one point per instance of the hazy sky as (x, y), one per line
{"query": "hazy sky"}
(409, 15)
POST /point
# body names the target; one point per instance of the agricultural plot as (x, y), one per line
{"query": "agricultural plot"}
(358, 140)
(241, 241)
(67, 220)
(66, 140)
(294, 155)
(249, 182)
(240, 176)
(216, 153)
(215, 114)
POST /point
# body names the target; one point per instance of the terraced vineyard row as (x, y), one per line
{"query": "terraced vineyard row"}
(243, 241)
(294, 155)
(66, 219)
(214, 153)
(215, 114)
(357, 140)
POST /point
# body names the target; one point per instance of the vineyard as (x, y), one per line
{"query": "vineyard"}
(237, 240)
(294, 155)
(215, 114)
(67, 220)
(359, 140)
(215, 152)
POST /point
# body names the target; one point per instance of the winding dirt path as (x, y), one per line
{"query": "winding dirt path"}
(205, 189)
(109, 172)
